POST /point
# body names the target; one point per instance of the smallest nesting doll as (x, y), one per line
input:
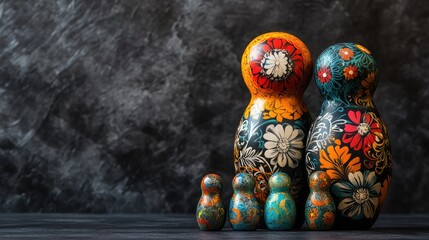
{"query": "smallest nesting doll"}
(320, 206)
(211, 214)
(244, 209)
(280, 209)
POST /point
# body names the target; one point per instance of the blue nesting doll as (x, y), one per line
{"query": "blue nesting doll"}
(348, 140)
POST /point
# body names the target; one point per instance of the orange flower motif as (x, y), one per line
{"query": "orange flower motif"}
(329, 218)
(283, 109)
(276, 110)
(350, 72)
(346, 53)
(336, 160)
(313, 214)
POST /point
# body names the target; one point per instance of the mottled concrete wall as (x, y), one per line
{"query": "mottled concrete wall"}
(122, 106)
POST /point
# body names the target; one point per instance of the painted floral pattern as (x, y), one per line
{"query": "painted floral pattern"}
(346, 53)
(362, 130)
(263, 148)
(348, 140)
(338, 161)
(350, 72)
(284, 145)
(360, 195)
(276, 64)
(324, 74)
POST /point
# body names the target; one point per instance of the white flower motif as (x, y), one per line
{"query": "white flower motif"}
(360, 195)
(277, 64)
(284, 145)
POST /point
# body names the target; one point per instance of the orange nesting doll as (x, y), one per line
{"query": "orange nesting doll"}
(276, 68)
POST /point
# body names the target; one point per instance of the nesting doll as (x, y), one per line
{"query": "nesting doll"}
(348, 140)
(270, 138)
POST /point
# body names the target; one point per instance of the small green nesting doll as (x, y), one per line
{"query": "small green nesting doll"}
(211, 214)
(349, 140)
(320, 206)
(280, 209)
(244, 209)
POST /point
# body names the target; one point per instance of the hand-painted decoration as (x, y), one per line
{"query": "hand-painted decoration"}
(244, 210)
(211, 213)
(280, 209)
(349, 140)
(320, 206)
(270, 138)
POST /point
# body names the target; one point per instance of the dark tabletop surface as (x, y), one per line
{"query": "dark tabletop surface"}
(157, 226)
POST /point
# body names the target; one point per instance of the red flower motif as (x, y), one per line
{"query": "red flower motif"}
(362, 132)
(324, 75)
(350, 72)
(276, 64)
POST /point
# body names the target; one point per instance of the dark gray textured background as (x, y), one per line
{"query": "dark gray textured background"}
(122, 106)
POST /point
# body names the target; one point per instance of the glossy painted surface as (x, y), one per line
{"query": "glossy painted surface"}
(280, 209)
(349, 140)
(244, 210)
(270, 138)
(320, 206)
(211, 214)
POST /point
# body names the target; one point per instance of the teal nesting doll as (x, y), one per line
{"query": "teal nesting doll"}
(348, 140)
(244, 210)
(271, 135)
(280, 209)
